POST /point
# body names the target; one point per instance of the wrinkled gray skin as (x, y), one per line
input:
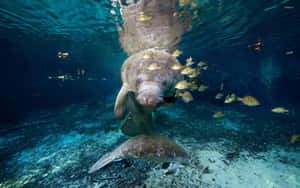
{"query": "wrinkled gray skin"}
(163, 31)
(144, 90)
(151, 147)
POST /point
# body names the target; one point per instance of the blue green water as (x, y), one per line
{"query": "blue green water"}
(52, 131)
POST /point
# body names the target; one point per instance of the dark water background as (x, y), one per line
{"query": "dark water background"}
(33, 32)
(36, 112)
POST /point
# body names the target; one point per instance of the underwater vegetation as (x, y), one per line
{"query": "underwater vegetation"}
(150, 93)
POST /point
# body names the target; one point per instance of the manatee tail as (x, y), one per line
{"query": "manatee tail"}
(103, 161)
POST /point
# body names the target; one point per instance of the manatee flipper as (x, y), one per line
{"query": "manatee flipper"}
(120, 104)
(137, 124)
(138, 120)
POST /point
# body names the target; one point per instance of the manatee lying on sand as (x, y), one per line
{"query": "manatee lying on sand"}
(150, 147)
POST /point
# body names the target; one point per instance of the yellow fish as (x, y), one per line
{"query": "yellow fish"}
(202, 88)
(193, 86)
(177, 66)
(175, 14)
(61, 77)
(142, 17)
(230, 98)
(153, 66)
(280, 110)
(176, 53)
(182, 85)
(294, 138)
(186, 96)
(249, 101)
(189, 61)
(62, 54)
(201, 63)
(219, 96)
(193, 5)
(183, 3)
(148, 55)
(187, 71)
(218, 115)
(194, 81)
(194, 74)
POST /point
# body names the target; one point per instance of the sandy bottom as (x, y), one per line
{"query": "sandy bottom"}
(57, 148)
(266, 170)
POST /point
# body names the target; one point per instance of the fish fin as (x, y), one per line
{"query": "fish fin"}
(103, 161)
(120, 104)
(137, 121)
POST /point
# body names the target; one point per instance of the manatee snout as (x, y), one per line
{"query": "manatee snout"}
(150, 94)
(149, 99)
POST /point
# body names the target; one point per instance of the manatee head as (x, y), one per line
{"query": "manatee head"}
(153, 85)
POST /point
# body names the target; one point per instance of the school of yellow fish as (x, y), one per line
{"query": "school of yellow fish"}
(191, 83)
(190, 73)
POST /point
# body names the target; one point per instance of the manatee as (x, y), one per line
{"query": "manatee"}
(144, 90)
(152, 147)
